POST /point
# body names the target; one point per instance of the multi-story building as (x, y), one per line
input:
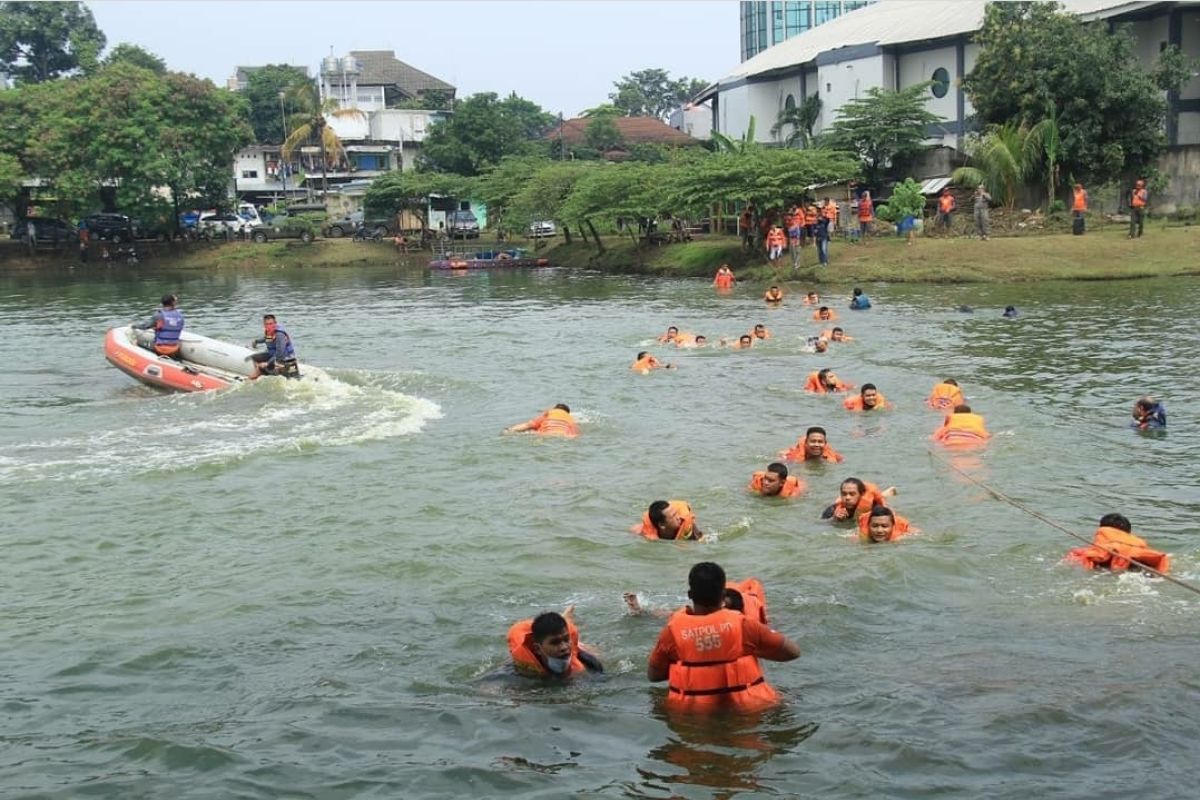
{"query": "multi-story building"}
(764, 24)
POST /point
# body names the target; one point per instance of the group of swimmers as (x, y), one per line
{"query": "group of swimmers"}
(708, 652)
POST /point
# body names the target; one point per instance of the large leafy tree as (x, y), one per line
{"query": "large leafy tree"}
(41, 41)
(483, 130)
(309, 123)
(885, 128)
(265, 90)
(800, 119)
(767, 177)
(409, 191)
(1001, 158)
(126, 53)
(1037, 63)
(653, 93)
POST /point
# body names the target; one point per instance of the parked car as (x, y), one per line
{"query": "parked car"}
(376, 227)
(45, 229)
(285, 226)
(462, 225)
(220, 224)
(541, 228)
(112, 227)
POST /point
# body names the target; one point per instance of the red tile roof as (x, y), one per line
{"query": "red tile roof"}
(635, 130)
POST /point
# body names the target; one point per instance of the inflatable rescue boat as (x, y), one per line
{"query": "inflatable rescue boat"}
(203, 364)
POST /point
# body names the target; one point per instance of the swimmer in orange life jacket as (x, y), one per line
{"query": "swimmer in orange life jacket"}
(813, 447)
(856, 497)
(825, 381)
(744, 341)
(945, 395)
(555, 421)
(687, 341)
(774, 481)
(881, 524)
(646, 362)
(961, 427)
(671, 335)
(709, 653)
(669, 519)
(724, 278)
(824, 314)
(868, 399)
(836, 335)
(547, 646)
(760, 332)
(812, 299)
(1115, 547)
(773, 296)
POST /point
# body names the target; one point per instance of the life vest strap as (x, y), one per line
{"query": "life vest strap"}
(723, 690)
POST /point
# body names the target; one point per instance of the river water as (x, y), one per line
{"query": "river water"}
(289, 591)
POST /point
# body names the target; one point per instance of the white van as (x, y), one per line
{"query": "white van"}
(249, 213)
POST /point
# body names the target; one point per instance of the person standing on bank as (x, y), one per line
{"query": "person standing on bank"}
(280, 356)
(1138, 198)
(947, 205)
(983, 212)
(866, 215)
(1079, 207)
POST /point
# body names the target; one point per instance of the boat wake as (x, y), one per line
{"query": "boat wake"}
(170, 433)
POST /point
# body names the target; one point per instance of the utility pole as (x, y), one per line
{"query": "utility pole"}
(562, 145)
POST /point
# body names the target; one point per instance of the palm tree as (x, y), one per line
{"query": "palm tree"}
(740, 146)
(1000, 158)
(1045, 142)
(309, 123)
(802, 118)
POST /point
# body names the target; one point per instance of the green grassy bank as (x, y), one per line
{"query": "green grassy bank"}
(1104, 255)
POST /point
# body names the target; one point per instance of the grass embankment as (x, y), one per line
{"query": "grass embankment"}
(291, 253)
(1103, 255)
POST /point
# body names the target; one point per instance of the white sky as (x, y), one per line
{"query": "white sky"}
(562, 54)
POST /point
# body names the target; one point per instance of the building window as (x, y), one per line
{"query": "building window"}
(941, 82)
(249, 173)
(789, 104)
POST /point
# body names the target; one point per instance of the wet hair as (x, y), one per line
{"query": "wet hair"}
(759, 325)
(672, 328)
(169, 299)
(857, 291)
(837, 328)
(745, 336)
(642, 355)
(950, 381)
(706, 583)
(1118, 521)
(700, 336)
(734, 601)
(862, 487)
(881, 511)
(548, 624)
(564, 407)
(866, 386)
(1145, 403)
(815, 429)
(823, 374)
(658, 512)
(268, 317)
(822, 308)
(962, 408)
(778, 469)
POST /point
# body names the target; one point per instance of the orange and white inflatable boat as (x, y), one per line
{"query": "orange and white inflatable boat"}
(203, 364)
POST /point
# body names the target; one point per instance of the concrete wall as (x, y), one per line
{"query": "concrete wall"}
(919, 67)
(1182, 166)
(841, 82)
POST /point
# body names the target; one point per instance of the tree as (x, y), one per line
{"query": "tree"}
(1000, 158)
(906, 201)
(309, 124)
(126, 53)
(603, 134)
(264, 87)
(1110, 111)
(409, 191)
(483, 130)
(801, 118)
(41, 41)
(652, 93)
(884, 129)
(726, 144)
(497, 187)
(766, 177)
(1044, 147)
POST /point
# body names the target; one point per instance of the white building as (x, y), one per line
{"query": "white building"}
(897, 43)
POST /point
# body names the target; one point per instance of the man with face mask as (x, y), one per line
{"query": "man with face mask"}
(547, 646)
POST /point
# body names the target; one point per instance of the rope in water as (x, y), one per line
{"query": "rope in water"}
(1038, 516)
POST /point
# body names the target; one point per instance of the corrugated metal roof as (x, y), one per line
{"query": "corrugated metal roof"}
(381, 67)
(892, 22)
(934, 185)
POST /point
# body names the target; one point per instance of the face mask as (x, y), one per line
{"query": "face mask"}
(558, 665)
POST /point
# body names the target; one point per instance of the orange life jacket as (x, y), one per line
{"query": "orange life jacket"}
(724, 279)
(686, 530)
(754, 598)
(831, 318)
(830, 211)
(855, 403)
(1138, 198)
(873, 496)
(776, 237)
(946, 203)
(813, 384)
(520, 647)
(866, 209)
(685, 340)
(556, 422)
(900, 527)
(1080, 203)
(796, 218)
(797, 452)
(1129, 548)
(792, 486)
(962, 429)
(945, 396)
(645, 364)
(712, 671)
(810, 215)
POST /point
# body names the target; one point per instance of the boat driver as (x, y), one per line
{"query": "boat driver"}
(167, 324)
(280, 356)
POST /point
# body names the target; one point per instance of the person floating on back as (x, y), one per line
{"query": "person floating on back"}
(1115, 547)
(547, 646)
(709, 653)
(555, 421)
(167, 324)
(1148, 415)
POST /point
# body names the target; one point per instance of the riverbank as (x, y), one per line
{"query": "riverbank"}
(1106, 255)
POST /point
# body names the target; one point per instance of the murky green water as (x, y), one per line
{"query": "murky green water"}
(283, 591)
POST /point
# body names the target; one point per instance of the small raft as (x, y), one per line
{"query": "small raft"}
(204, 364)
(487, 259)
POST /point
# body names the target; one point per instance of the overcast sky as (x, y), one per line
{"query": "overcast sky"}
(562, 54)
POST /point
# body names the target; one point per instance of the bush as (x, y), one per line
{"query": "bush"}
(1185, 213)
(1057, 207)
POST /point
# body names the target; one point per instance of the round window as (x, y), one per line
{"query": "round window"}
(941, 82)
